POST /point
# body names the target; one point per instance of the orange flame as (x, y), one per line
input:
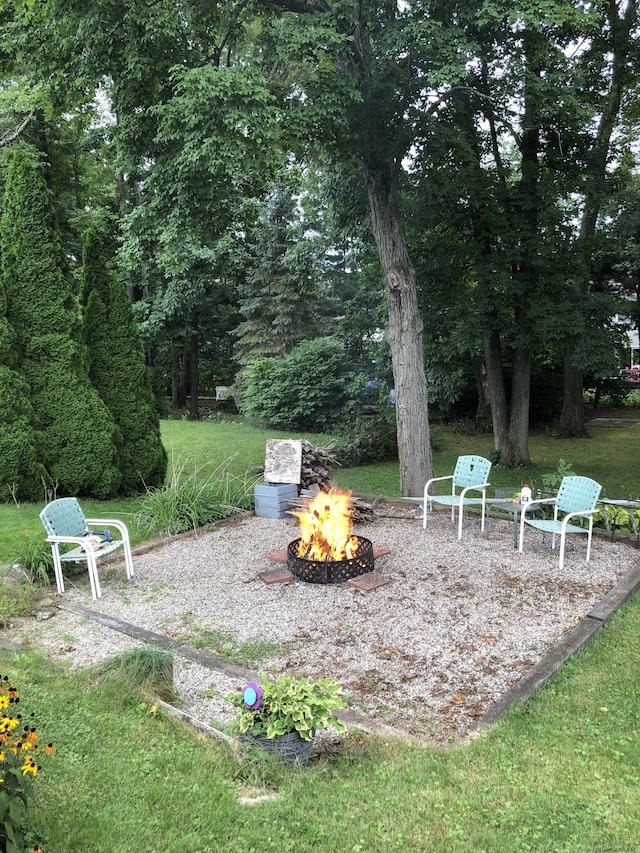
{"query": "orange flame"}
(325, 528)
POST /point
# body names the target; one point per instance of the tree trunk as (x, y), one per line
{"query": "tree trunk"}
(519, 420)
(183, 378)
(404, 333)
(497, 392)
(483, 409)
(571, 424)
(194, 370)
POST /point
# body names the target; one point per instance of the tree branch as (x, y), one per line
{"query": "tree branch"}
(8, 138)
(303, 7)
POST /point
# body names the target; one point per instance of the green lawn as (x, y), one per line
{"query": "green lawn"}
(560, 774)
(607, 455)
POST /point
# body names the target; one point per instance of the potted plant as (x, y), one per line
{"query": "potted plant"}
(283, 716)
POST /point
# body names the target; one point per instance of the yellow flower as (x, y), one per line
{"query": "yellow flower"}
(4, 701)
(8, 724)
(29, 766)
(49, 749)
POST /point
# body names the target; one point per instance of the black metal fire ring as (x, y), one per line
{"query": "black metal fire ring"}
(331, 571)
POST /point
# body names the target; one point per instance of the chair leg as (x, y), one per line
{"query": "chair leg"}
(460, 511)
(589, 539)
(128, 561)
(563, 539)
(94, 580)
(57, 567)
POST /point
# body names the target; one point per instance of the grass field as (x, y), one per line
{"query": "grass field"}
(559, 775)
(608, 455)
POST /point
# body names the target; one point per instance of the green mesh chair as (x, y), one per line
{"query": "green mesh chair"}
(66, 524)
(469, 475)
(576, 500)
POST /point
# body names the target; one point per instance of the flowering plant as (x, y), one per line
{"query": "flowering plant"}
(275, 708)
(19, 756)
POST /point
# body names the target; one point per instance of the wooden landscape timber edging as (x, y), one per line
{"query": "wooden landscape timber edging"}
(210, 661)
(570, 644)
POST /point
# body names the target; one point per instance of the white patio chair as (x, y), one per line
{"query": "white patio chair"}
(576, 499)
(470, 475)
(66, 523)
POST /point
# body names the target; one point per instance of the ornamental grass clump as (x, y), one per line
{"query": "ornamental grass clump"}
(287, 705)
(19, 757)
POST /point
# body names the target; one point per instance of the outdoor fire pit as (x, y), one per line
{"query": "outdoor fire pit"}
(331, 571)
(328, 551)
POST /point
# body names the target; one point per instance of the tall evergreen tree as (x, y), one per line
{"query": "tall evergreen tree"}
(20, 474)
(277, 298)
(118, 371)
(75, 436)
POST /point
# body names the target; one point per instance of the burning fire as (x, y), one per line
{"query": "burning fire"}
(325, 528)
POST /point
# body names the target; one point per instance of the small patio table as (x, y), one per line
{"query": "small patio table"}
(512, 507)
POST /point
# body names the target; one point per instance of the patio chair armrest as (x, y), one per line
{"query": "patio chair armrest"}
(82, 541)
(583, 513)
(528, 504)
(477, 488)
(109, 522)
(435, 480)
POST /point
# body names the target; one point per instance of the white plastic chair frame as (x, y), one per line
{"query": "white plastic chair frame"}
(469, 475)
(577, 498)
(65, 523)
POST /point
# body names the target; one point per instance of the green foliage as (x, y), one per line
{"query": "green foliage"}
(554, 478)
(370, 439)
(146, 668)
(35, 557)
(75, 437)
(289, 705)
(189, 499)
(311, 388)
(278, 299)
(19, 757)
(20, 472)
(118, 371)
(18, 599)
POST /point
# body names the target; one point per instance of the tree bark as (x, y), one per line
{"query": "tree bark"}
(483, 409)
(194, 370)
(497, 392)
(404, 333)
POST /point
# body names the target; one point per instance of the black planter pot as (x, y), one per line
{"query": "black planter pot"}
(289, 747)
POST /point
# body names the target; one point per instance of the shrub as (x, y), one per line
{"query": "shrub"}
(118, 371)
(370, 439)
(287, 705)
(312, 388)
(74, 435)
(146, 669)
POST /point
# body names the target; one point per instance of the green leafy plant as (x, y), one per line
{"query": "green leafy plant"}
(564, 469)
(33, 554)
(191, 498)
(19, 756)
(35, 558)
(287, 705)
